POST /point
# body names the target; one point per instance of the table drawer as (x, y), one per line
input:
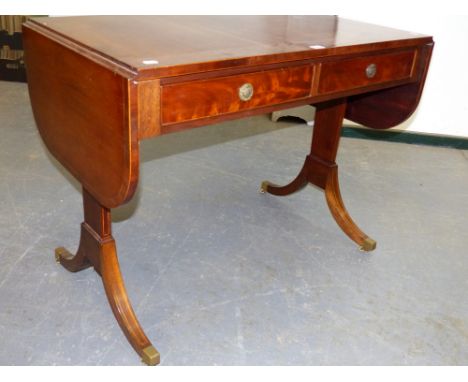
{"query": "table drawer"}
(365, 71)
(222, 95)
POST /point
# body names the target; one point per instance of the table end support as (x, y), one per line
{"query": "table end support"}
(321, 170)
(98, 249)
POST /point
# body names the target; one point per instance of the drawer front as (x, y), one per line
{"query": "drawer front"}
(366, 71)
(222, 95)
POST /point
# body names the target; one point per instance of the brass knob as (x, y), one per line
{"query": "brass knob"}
(246, 92)
(371, 70)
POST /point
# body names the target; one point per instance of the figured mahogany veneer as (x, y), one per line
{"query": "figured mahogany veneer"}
(342, 75)
(99, 85)
(206, 98)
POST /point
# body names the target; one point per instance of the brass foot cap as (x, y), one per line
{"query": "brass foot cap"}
(58, 253)
(150, 356)
(368, 244)
(264, 186)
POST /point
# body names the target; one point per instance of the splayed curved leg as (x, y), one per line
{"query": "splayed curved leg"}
(97, 248)
(321, 170)
(120, 304)
(87, 254)
(73, 263)
(297, 184)
(341, 215)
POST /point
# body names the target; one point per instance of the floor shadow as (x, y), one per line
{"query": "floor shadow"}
(201, 137)
(189, 140)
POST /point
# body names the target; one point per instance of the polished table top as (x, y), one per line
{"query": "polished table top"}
(138, 42)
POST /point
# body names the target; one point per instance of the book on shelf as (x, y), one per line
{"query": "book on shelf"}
(11, 44)
(10, 54)
(12, 24)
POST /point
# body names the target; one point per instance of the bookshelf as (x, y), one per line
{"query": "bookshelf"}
(11, 48)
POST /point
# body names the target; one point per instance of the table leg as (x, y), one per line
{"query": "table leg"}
(321, 170)
(97, 248)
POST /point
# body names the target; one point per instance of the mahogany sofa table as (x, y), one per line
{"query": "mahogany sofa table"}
(99, 85)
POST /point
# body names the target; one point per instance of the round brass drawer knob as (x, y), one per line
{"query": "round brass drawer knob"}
(371, 70)
(246, 92)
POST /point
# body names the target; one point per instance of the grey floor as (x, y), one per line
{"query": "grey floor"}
(222, 275)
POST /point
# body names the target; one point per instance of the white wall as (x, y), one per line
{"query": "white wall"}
(443, 108)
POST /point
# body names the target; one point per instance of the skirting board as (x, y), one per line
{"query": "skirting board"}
(406, 137)
(352, 130)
